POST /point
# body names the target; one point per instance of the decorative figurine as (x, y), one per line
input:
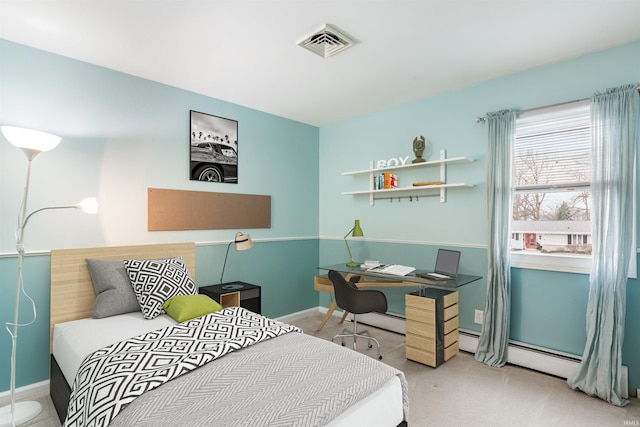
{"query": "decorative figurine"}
(419, 147)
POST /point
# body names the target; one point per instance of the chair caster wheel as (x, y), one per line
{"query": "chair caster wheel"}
(370, 345)
(380, 357)
(343, 344)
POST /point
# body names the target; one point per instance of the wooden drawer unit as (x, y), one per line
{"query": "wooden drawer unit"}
(431, 326)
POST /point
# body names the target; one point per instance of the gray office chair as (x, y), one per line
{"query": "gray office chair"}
(356, 301)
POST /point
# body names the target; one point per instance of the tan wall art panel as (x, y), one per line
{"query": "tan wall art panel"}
(171, 210)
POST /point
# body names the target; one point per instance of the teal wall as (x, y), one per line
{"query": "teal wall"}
(121, 135)
(284, 269)
(32, 353)
(548, 308)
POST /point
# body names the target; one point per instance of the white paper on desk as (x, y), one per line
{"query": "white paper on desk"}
(368, 265)
(393, 269)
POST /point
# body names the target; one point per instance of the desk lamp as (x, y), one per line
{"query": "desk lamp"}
(356, 231)
(32, 143)
(242, 242)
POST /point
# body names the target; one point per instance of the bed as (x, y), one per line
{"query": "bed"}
(278, 376)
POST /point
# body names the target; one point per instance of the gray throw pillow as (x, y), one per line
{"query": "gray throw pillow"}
(114, 293)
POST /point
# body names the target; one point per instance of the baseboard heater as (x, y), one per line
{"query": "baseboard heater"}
(540, 359)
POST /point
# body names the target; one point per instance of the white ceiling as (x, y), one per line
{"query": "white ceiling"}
(245, 51)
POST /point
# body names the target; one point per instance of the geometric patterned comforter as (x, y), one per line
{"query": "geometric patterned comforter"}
(111, 378)
(294, 380)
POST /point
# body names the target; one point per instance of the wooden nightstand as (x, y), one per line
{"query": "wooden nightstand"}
(233, 294)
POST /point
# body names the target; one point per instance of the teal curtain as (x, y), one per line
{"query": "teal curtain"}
(494, 338)
(614, 123)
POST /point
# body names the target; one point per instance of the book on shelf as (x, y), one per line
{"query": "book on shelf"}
(385, 181)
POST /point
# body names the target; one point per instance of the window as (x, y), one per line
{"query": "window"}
(551, 221)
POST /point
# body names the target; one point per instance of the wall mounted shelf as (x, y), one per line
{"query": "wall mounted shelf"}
(417, 190)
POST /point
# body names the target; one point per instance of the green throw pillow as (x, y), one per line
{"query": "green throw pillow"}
(187, 307)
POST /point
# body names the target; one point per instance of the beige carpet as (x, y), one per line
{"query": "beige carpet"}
(463, 392)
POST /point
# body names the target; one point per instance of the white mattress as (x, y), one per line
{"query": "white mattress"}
(73, 341)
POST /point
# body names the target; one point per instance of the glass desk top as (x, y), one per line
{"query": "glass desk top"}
(411, 279)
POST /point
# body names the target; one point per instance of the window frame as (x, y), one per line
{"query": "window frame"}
(556, 261)
(561, 262)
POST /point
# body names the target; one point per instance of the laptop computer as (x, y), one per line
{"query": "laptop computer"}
(446, 268)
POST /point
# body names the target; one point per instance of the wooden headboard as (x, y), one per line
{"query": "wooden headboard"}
(72, 293)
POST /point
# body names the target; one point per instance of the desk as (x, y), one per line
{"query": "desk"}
(431, 311)
(369, 279)
(410, 279)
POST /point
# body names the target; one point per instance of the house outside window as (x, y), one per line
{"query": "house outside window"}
(551, 223)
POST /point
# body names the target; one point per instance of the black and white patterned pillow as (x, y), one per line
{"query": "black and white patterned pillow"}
(154, 281)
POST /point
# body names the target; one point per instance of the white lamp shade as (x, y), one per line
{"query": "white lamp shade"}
(243, 242)
(89, 205)
(32, 140)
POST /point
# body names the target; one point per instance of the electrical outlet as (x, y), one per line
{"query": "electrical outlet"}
(479, 317)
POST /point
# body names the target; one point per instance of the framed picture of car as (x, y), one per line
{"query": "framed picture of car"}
(213, 142)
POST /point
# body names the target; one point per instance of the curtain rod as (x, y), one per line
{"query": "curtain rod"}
(482, 119)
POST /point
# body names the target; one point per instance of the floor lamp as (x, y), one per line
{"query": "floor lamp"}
(242, 242)
(32, 143)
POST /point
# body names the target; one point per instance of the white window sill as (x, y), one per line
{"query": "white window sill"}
(564, 263)
(556, 262)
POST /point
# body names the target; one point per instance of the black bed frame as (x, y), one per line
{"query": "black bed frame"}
(59, 390)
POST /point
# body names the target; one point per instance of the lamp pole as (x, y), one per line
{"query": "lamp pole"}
(27, 140)
(23, 411)
(242, 242)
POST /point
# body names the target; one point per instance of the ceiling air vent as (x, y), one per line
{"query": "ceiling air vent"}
(327, 41)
